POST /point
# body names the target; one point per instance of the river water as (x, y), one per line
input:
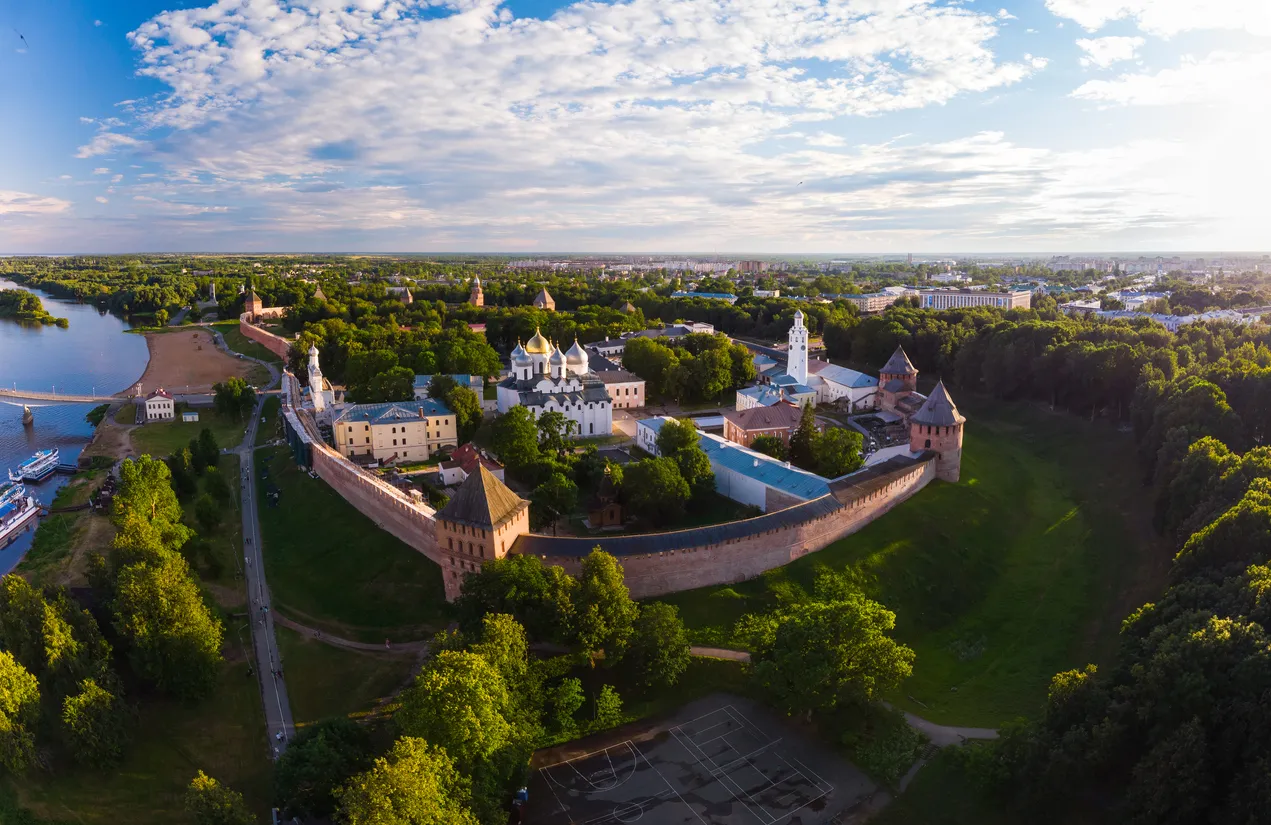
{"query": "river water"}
(91, 356)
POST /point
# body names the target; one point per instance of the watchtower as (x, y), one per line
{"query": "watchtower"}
(938, 426)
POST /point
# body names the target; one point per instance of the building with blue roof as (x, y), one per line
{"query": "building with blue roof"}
(805, 381)
(710, 296)
(473, 382)
(759, 480)
(394, 431)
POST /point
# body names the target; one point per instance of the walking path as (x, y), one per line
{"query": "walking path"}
(348, 644)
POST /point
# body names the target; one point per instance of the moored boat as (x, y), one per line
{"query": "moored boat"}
(36, 468)
(16, 515)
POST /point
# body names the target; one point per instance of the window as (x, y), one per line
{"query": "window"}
(928, 443)
(450, 543)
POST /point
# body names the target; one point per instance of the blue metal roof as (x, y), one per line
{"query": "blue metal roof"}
(765, 396)
(393, 411)
(847, 377)
(762, 468)
(722, 296)
(654, 424)
(422, 381)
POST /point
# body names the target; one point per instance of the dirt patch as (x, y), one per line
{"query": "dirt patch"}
(110, 439)
(188, 362)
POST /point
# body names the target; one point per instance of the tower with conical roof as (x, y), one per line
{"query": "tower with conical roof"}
(481, 522)
(476, 297)
(254, 305)
(899, 368)
(544, 300)
(937, 426)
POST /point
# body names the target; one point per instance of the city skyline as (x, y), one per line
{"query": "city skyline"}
(1031, 128)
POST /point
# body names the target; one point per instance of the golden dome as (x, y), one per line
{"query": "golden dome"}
(538, 344)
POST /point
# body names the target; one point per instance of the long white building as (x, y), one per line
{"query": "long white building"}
(547, 379)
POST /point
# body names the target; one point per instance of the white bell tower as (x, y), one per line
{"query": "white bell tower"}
(315, 380)
(797, 362)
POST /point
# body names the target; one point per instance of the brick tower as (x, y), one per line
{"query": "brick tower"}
(899, 368)
(476, 297)
(481, 522)
(938, 426)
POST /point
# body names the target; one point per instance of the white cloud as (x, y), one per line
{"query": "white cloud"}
(101, 199)
(1168, 17)
(1222, 77)
(116, 178)
(23, 203)
(64, 177)
(1003, 14)
(101, 170)
(97, 23)
(106, 143)
(1104, 51)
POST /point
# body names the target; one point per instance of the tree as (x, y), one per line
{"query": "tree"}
(95, 722)
(414, 784)
(396, 384)
(209, 452)
(659, 645)
(608, 707)
(514, 437)
(211, 803)
(322, 757)
(19, 711)
(814, 656)
(174, 640)
(679, 441)
(538, 596)
(503, 644)
(838, 452)
(161, 318)
(553, 499)
(769, 445)
(459, 702)
(604, 613)
(675, 435)
(466, 406)
(655, 490)
(182, 470)
(208, 513)
(554, 430)
(234, 397)
(564, 701)
(145, 491)
(803, 440)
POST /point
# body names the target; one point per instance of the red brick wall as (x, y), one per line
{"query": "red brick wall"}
(735, 561)
(277, 345)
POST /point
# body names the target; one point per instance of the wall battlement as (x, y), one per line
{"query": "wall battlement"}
(274, 343)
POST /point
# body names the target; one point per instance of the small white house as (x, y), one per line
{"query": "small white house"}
(189, 417)
(160, 406)
(647, 430)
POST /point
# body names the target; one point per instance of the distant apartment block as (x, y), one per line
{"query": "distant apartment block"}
(954, 298)
(753, 266)
(870, 301)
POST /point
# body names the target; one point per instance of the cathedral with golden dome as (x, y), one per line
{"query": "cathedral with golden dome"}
(546, 378)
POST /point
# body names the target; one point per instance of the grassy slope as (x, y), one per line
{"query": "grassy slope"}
(330, 567)
(268, 428)
(163, 439)
(325, 681)
(59, 534)
(1023, 569)
(238, 342)
(223, 735)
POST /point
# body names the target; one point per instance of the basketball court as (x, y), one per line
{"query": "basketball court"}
(710, 766)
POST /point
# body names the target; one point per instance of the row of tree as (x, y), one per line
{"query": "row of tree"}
(699, 367)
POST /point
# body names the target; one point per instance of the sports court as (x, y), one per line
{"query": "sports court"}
(713, 764)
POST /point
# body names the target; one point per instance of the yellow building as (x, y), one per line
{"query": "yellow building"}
(395, 431)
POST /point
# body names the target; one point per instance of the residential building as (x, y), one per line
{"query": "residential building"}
(395, 430)
(546, 379)
(473, 382)
(766, 293)
(868, 302)
(160, 406)
(779, 420)
(469, 456)
(647, 430)
(752, 266)
(953, 298)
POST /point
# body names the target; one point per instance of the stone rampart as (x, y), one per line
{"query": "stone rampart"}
(274, 343)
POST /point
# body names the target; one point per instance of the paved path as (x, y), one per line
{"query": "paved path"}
(273, 687)
(348, 644)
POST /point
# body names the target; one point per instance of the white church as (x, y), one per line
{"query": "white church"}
(801, 381)
(547, 379)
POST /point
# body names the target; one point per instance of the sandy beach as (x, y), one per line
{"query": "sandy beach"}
(188, 362)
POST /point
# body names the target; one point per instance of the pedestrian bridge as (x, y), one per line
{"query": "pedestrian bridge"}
(23, 398)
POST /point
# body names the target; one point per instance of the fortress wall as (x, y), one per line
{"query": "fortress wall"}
(274, 343)
(739, 559)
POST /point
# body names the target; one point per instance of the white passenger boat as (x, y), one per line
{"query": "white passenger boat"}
(36, 468)
(17, 511)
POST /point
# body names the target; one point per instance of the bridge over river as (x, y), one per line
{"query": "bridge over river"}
(35, 398)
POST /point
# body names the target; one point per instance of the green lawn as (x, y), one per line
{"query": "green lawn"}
(167, 437)
(223, 735)
(238, 342)
(331, 568)
(268, 429)
(217, 555)
(324, 681)
(1023, 569)
(126, 414)
(58, 534)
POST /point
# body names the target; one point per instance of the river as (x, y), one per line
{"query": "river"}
(91, 356)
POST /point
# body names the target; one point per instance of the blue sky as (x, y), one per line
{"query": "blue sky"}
(744, 126)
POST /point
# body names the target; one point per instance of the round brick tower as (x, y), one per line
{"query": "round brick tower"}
(899, 368)
(937, 426)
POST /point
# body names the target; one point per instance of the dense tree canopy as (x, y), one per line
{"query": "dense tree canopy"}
(414, 784)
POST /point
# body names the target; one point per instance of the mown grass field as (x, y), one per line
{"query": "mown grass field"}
(164, 438)
(1024, 568)
(325, 681)
(223, 735)
(331, 568)
(267, 430)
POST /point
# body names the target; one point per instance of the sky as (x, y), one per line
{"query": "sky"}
(645, 126)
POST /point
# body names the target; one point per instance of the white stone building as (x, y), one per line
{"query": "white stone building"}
(546, 379)
(802, 381)
(160, 406)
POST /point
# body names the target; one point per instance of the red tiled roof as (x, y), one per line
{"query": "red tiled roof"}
(468, 458)
(782, 415)
(159, 393)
